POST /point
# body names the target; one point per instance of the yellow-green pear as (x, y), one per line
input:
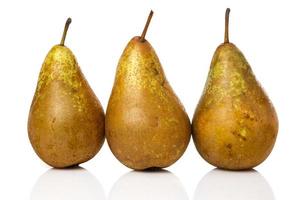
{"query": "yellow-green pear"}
(146, 126)
(235, 124)
(66, 120)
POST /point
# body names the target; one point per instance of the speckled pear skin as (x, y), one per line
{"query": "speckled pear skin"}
(146, 126)
(66, 120)
(235, 125)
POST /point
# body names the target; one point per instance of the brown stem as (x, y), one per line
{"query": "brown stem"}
(226, 37)
(68, 22)
(142, 39)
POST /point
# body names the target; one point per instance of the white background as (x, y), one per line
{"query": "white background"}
(184, 34)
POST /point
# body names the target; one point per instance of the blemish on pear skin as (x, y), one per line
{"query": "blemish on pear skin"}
(52, 123)
(249, 116)
(241, 134)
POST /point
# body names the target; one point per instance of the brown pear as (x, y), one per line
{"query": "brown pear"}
(66, 120)
(146, 126)
(235, 124)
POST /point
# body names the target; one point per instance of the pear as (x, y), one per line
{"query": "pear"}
(146, 126)
(66, 120)
(235, 124)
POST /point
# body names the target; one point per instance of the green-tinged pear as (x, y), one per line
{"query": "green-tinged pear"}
(66, 120)
(235, 124)
(146, 126)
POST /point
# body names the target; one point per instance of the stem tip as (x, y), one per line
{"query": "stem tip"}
(68, 22)
(226, 37)
(142, 38)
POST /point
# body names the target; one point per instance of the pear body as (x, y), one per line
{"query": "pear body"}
(66, 120)
(146, 126)
(234, 125)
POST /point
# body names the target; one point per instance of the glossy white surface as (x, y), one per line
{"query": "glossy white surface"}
(158, 185)
(68, 184)
(246, 185)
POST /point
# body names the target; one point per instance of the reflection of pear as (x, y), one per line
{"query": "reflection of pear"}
(226, 185)
(235, 125)
(67, 184)
(66, 120)
(146, 125)
(159, 185)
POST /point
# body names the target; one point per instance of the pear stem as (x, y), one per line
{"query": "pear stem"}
(226, 37)
(68, 22)
(142, 39)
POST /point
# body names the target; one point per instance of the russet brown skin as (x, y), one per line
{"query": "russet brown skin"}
(235, 124)
(146, 126)
(66, 120)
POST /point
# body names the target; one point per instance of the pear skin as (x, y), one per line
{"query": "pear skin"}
(146, 126)
(66, 120)
(235, 124)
